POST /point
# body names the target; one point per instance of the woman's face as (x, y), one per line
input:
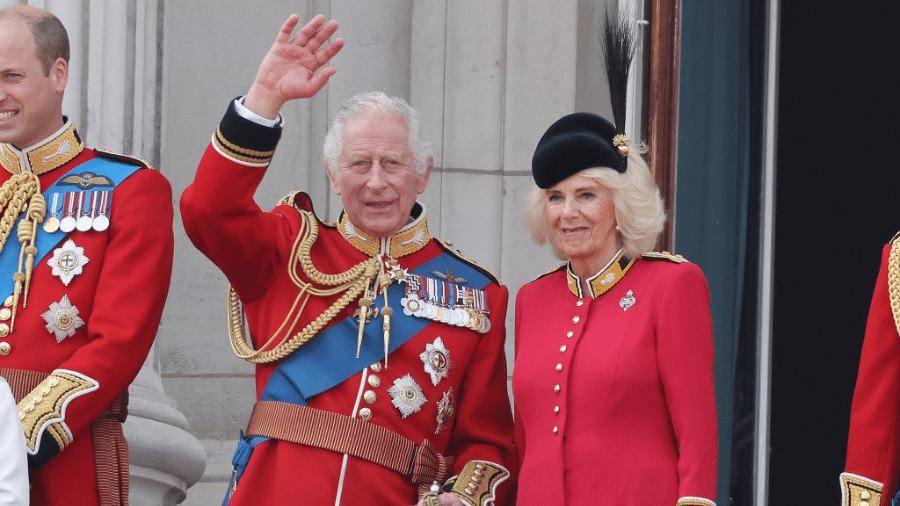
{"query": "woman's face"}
(582, 216)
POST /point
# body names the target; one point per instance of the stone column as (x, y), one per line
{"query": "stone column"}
(114, 96)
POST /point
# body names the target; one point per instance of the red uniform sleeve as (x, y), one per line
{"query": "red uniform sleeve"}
(873, 445)
(685, 348)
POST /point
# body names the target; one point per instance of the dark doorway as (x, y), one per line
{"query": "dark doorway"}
(838, 203)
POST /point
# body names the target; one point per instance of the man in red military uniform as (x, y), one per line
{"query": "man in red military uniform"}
(873, 447)
(380, 362)
(85, 261)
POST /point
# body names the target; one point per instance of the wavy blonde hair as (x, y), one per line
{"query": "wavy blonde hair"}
(640, 214)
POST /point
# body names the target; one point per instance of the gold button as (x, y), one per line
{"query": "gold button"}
(28, 408)
(557, 388)
(555, 410)
(865, 495)
(5, 348)
(5, 313)
(576, 319)
(365, 414)
(8, 302)
(370, 397)
(4, 330)
(558, 367)
(374, 381)
(863, 503)
(469, 490)
(556, 430)
(579, 303)
(52, 381)
(569, 334)
(45, 390)
(37, 399)
(563, 348)
(376, 367)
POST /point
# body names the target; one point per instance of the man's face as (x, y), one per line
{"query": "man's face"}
(30, 102)
(376, 174)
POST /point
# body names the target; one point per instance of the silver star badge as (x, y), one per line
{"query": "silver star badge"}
(627, 301)
(407, 395)
(62, 319)
(437, 360)
(67, 261)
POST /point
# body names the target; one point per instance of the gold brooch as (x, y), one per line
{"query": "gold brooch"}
(622, 142)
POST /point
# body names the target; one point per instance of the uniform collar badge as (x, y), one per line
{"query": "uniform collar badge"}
(411, 238)
(68, 261)
(604, 280)
(437, 360)
(56, 151)
(407, 395)
(62, 319)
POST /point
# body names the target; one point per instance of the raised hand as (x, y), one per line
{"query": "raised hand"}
(293, 67)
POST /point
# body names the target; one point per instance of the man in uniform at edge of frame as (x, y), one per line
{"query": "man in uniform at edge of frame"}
(85, 266)
(380, 365)
(873, 445)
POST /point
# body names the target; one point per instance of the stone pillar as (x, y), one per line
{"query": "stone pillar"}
(113, 95)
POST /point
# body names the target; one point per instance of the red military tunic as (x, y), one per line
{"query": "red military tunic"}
(462, 406)
(873, 446)
(614, 392)
(75, 348)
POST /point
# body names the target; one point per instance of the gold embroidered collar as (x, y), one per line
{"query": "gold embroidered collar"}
(409, 239)
(52, 153)
(604, 280)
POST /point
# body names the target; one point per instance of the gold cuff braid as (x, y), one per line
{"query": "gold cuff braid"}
(894, 280)
(859, 491)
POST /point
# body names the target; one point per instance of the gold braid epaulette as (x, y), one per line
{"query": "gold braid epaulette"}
(894, 280)
(351, 282)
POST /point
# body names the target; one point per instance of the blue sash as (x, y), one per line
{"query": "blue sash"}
(329, 358)
(115, 171)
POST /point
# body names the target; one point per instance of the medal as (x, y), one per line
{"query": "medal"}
(52, 223)
(407, 395)
(437, 360)
(62, 319)
(445, 410)
(67, 261)
(67, 224)
(101, 222)
(627, 301)
(84, 222)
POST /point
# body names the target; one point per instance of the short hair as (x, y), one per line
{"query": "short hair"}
(49, 34)
(368, 103)
(639, 210)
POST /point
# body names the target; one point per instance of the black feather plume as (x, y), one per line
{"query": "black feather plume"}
(617, 35)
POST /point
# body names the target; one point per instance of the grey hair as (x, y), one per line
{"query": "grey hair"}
(640, 214)
(368, 103)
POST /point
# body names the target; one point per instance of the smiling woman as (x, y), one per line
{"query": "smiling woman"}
(641, 327)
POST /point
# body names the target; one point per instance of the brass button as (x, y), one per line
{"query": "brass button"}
(579, 303)
(365, 414)
(376, 367)
(569, 334)
(374, 381)
(370, 397)
(563, 348)
(45, 390)
(8, 302)
(37, 399)
(557, 388)
(4, 330)
(5, 313)
(469, 490)
(558, 367)
(576, 319)
(865, 495)
(53, 381)
(5, 348)
(556, 430)
(863, 503)
(555, 410)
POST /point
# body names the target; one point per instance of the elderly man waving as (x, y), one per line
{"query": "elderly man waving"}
(380, 367)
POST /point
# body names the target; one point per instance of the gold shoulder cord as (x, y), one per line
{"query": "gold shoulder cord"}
(894, 281)
(352, 282)
(22, 193)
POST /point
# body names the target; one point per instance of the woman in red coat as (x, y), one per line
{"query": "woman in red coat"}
(613, 380)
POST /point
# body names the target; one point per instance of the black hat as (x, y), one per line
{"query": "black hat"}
(579, 141)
